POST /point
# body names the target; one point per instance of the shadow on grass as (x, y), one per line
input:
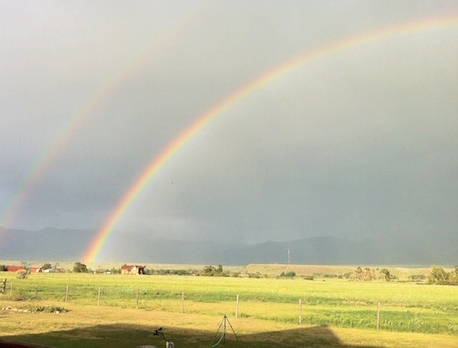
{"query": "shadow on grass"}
(121, 335)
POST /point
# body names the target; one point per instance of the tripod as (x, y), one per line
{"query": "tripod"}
(168, 344)
(223, 328)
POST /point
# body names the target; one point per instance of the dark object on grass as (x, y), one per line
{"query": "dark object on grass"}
(9, 344)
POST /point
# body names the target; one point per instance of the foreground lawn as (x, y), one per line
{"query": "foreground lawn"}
(93, 326)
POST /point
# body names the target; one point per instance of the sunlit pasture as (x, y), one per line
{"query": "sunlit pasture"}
(376, 313)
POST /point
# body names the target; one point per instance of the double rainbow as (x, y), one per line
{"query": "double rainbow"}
(202, 120)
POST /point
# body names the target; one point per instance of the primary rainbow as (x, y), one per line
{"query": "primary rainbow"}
(264, 79)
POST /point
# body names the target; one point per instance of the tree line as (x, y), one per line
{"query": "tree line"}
(437, 276)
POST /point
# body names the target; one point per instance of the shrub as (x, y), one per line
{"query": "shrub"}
(21, 274)
(287, 274)
(417, 277)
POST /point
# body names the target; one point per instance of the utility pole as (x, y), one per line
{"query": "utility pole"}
(289, 256)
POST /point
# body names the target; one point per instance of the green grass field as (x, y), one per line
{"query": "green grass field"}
(122, 311)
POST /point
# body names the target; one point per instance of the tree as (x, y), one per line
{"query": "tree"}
(438, 276)
(386, 274)
(80, 268)
(211, 271)
(453, 277)
(46, 266)
(367, 274)
(357, 274)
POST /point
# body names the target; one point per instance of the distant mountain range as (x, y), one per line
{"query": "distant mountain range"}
(51, 244)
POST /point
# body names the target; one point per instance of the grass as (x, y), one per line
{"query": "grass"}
(335, 312)
(113, 327)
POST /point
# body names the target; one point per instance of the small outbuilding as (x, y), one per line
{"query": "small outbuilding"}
(132, 269)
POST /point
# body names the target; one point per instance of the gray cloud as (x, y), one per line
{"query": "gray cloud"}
(357, 144)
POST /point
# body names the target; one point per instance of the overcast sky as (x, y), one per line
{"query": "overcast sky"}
(357, 144)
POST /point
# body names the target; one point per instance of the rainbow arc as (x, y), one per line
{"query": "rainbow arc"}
(264, 79)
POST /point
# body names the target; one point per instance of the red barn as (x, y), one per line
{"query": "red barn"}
(15, 268)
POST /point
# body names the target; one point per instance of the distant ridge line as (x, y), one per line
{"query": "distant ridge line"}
(69, 245)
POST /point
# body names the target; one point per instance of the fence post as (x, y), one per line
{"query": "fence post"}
(3, 291)
(237, 307)
(378, 315)
(66, 294)
(98, 298)
(300, 311)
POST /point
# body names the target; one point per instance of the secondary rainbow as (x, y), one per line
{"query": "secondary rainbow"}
(53, 149)
(268, 77)
(74, 123)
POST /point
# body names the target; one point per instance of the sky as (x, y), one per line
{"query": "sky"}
(360, 142)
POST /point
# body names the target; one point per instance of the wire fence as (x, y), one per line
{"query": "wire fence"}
(299, 310)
